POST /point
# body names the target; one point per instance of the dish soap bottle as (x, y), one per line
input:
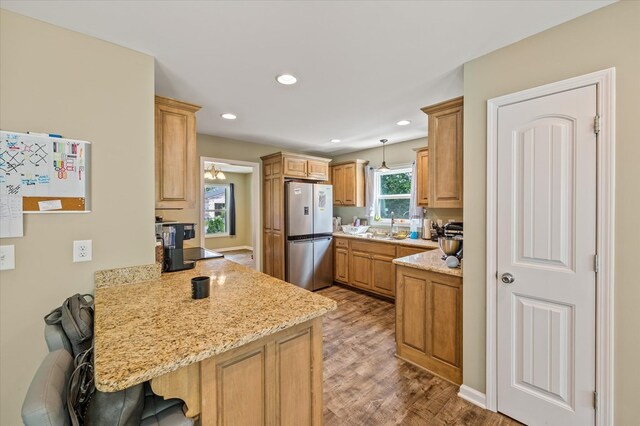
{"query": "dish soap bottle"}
(413, 228)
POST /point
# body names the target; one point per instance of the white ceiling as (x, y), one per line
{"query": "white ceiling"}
(362, 65)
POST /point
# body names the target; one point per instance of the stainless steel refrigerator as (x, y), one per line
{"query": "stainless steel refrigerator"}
(309, 226)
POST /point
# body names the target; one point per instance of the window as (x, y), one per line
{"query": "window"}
(216, 209)
(392, 194)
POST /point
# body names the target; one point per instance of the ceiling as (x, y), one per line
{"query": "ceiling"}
(362, 65)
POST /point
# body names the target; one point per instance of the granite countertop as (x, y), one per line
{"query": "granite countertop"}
(428, 261)
(146, 329)
(427, 244)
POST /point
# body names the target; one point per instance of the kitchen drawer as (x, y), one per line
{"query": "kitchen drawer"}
(342, 242)
(374, 248)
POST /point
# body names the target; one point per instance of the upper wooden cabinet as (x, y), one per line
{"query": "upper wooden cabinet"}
(175, 152)
(305, 167)
(445, 154)
(348, 183)
(422, 168)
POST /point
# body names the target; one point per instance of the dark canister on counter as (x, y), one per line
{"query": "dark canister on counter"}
(200, 287)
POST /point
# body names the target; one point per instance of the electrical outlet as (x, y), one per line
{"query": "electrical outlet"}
(82, 250)
(7, 257)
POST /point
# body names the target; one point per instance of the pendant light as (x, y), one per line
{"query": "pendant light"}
(383, 167)
(214, 174)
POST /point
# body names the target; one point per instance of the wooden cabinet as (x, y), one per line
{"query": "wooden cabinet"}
(305, 167)
(422, 168)
(274, 380)
(445, 154)
(275, 169)
(176, 162)
(429, 321)
(368, 265)
(348, 183)
(272, 217)
(341, 262)
(403, 251)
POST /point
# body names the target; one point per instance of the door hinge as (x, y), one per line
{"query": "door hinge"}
(596, 124)
(596, 263)
(595, 400)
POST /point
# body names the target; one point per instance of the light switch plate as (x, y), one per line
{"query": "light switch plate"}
(7, 257)
(82, 250)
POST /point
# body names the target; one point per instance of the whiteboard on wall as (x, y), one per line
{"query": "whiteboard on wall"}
(51, 174)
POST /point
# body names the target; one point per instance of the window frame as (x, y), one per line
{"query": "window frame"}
(377, 196)
(225, 210)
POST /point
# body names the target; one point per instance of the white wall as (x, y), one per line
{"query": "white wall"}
(608, 37)
(55, 80)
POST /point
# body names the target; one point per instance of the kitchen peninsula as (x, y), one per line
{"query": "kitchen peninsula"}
(251, 353)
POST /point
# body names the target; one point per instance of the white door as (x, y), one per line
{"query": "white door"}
(546, 247)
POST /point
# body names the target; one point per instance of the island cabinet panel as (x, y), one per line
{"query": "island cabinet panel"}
(276, 380)
(408, 251)
(175, 153)
(445, 154)
(429, 321)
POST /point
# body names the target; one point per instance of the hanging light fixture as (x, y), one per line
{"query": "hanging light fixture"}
(214, 174)
(383, 167)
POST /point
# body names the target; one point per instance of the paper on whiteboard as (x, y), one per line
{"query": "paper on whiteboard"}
(36, 166)
(11, 216)
(44, 206)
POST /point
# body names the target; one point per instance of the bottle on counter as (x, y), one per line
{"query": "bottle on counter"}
(413, 227)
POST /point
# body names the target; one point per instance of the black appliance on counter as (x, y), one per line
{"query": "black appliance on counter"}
(176, 256)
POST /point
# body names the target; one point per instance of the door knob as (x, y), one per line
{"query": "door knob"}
(507, 278)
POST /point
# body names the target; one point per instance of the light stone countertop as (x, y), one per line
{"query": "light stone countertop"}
(428, 261)
(146, 329)
(427, 244)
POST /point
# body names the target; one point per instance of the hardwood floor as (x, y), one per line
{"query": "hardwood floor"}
(365, 384)
(243, 257)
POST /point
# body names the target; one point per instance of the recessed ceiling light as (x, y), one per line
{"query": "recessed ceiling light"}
(403, 122)
(286, 79)
(228, 116)
(335, 140)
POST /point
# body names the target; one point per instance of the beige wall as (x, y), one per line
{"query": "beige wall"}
(401, 153)
(55, 80)
(609, 37)
(244, 236)
(219, 148)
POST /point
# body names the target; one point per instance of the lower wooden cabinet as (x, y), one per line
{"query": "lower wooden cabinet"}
(368, 265)
(429, 321)
(276, 380)
(341, 262)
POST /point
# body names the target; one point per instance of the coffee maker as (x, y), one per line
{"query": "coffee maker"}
(173, 235)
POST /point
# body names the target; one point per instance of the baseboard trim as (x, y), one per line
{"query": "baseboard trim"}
(473, 396)
(222, 250)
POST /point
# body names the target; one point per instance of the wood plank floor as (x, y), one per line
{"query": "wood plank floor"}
(365, 384)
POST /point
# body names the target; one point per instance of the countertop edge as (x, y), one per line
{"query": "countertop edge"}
(425, 262)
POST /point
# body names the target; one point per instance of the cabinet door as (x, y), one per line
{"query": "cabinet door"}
(422, 168)
(267, 262)
(360, 269)
(338, 185)
(318, 170)
(278, 255)
(175, 155)
(277, 204)
(384, 275)
(295, 167)
(267, 206)
(445, 158)
(349, 185)
(341, 265)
